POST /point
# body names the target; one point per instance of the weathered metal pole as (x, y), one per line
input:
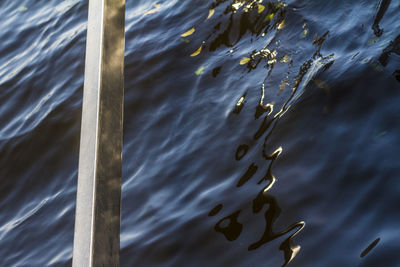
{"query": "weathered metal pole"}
(98, 205)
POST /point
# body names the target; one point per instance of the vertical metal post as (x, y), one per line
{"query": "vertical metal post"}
(98, 205)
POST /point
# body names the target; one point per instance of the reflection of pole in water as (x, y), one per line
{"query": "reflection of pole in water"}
(383, 6)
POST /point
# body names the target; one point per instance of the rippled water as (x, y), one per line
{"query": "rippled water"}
(267, 134)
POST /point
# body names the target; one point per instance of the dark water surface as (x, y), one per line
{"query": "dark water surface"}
(276, 142)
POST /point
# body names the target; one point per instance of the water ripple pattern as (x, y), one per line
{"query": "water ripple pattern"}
(256, 132)
(41, 79)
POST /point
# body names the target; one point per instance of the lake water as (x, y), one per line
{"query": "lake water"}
(267, 134)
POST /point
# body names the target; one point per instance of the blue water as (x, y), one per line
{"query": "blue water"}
(291, 156)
